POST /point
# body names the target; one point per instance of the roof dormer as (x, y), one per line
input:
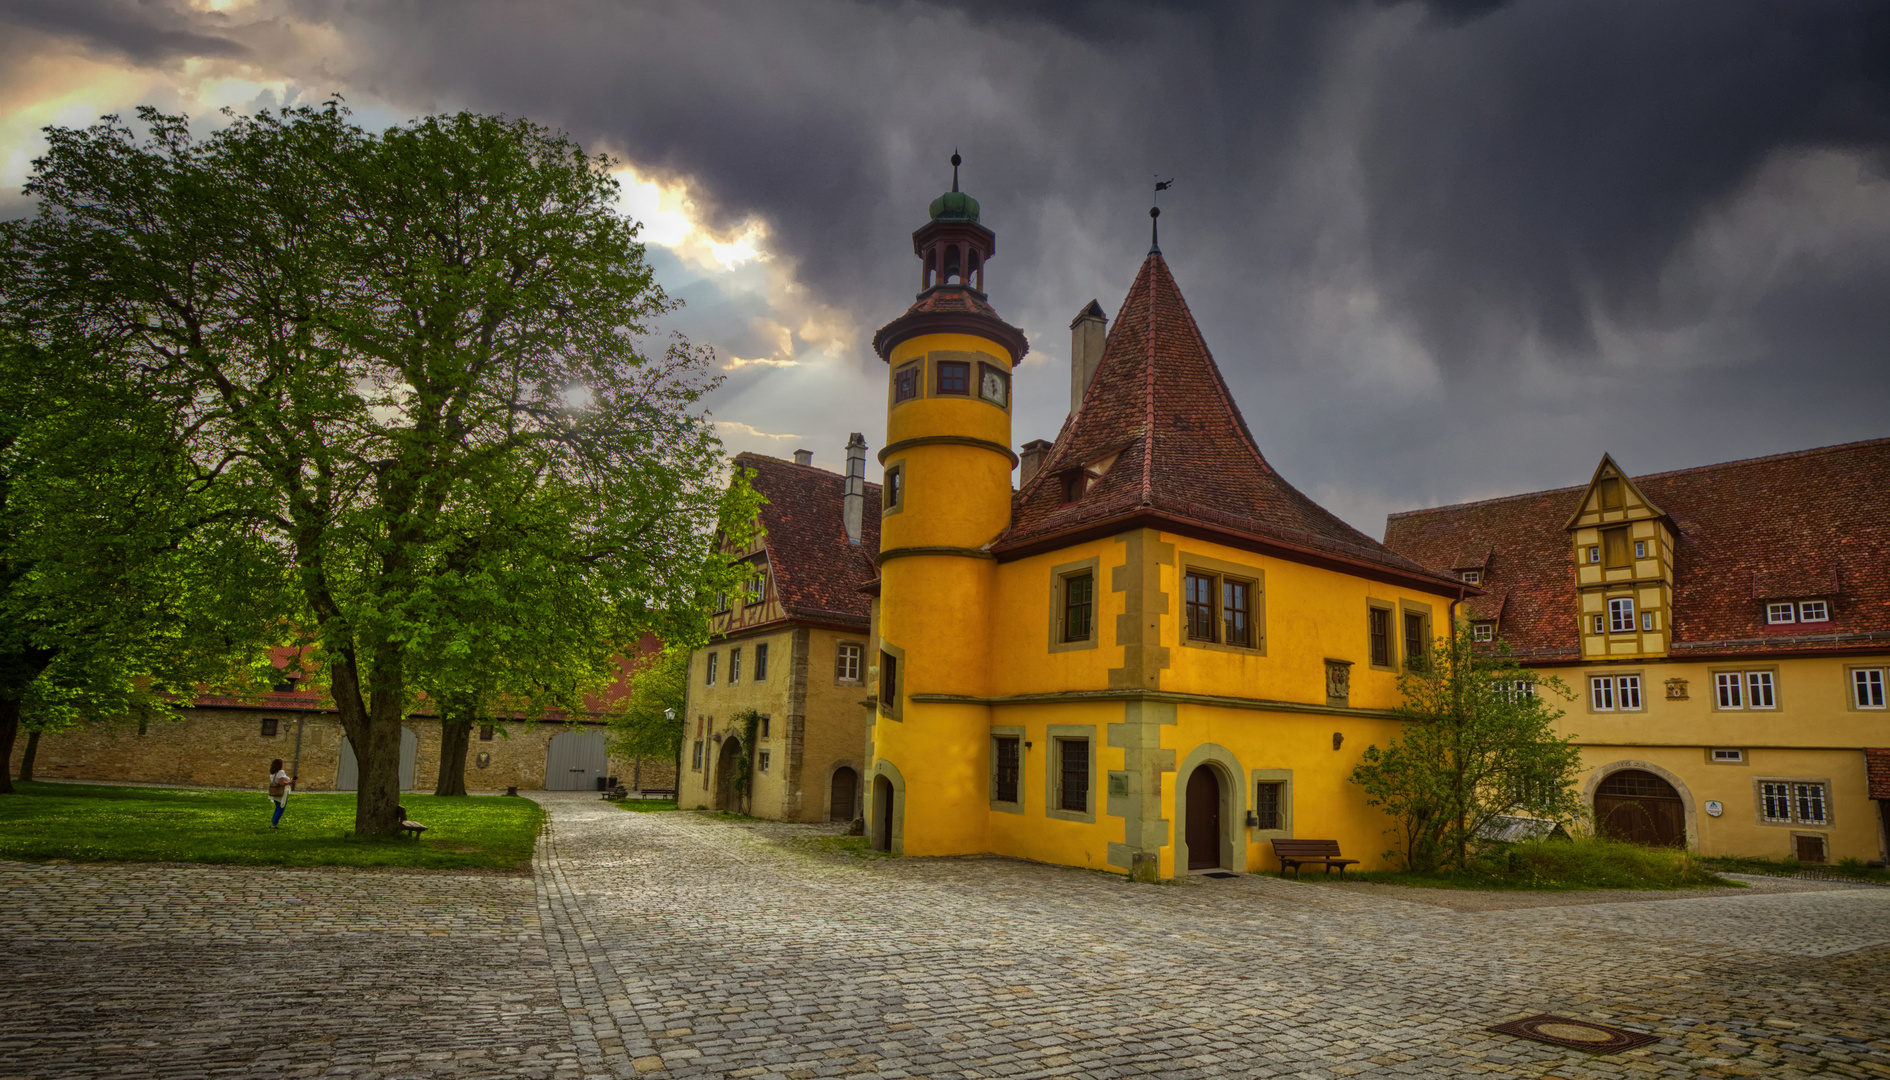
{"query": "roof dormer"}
(1623, 549)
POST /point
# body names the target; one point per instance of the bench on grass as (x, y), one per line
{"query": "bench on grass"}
(1298, 853)
(657, 793)
(411, 827)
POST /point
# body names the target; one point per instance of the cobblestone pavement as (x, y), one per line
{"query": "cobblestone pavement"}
(686, 945)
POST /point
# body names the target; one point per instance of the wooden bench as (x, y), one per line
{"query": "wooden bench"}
(412, 828)
(1298, 853)
(657, 793)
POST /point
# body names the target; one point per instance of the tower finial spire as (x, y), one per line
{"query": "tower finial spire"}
(1154, 217)
(955, 160)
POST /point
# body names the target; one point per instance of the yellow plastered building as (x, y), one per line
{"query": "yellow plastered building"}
(1152, 657)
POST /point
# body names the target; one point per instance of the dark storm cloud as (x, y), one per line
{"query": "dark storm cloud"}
(147, 32)
(1442, 250)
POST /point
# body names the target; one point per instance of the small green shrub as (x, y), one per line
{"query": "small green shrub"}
(1580, 863)
(648, 806)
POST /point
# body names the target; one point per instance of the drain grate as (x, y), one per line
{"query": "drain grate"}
(1220, 875)
(1576, 1034)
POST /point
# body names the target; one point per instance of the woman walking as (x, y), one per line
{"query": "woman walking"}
(279, 784)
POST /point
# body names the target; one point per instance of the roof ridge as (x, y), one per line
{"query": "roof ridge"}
(1762, 459)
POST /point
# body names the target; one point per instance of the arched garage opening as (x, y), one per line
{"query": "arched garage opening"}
(574, 760)
(1636, 806)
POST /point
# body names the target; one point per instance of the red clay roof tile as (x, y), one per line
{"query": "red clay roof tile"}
(816, 570)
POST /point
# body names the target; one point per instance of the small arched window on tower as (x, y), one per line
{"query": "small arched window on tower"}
(953, 266)
(974, 271)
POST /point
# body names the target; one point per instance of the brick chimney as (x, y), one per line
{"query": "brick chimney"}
(1087, 333)
(803, 457)
(853, 503)
(1031, 460)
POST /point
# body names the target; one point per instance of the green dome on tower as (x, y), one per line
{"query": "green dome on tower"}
(954, 206)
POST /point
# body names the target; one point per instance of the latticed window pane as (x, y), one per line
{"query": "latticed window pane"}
(1601, 693)
(847, 663)
(1416, 648)
(1073, 775)
(1267, 797)
(954, 377)
(1727, 684)
(761, 663)
(1621, 615)
(1759, 690)
(1006, 770)
(1776, 802)
(1079, 594)
(712, 662)
(1628, 691)
(1379, 625)
(1236, 600)
(1201, 613)
(1810, 799)
(734, 666)
(1814, 611)
(1868, 683)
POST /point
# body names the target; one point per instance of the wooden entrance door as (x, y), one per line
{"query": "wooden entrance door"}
(725, 766)
(840, 798)
(1640, 808)
(882, 813)
(1204, 819)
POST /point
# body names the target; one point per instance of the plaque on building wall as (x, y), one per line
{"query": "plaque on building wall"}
(484, 759)
(1338, 681)
(1676, 689)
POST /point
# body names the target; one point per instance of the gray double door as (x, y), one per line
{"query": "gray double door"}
(348, 775)
(574, 760)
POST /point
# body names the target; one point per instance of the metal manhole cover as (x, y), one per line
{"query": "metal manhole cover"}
(1576, 1034)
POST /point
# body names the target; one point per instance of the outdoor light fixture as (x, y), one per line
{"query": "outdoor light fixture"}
(1338, 738)
(1253, 820)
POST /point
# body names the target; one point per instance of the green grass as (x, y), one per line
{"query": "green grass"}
(42, 822)
(647, 806)
(1849, 868)
(1557, 865)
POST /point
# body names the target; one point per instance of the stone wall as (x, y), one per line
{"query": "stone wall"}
(226, 748)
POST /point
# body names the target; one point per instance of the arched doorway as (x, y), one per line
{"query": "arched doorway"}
(574, 760)
(725, 766)
(1204, 819)
(1641, 808)
(348, 771)
(882, 814)
(846, 783)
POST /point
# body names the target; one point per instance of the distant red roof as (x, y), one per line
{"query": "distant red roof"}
(1182, 453)
(817, 571)
(1815, 523)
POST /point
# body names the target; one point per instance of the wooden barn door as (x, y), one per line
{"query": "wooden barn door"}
(1640, 808)
(840, 798)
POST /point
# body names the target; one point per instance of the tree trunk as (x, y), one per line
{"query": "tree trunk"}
(32, 751)
(456, 721)
(373, 726)
(9, 729)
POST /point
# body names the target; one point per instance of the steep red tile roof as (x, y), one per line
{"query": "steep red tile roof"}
(1810, 523)
(817, 572)
(1159, 406)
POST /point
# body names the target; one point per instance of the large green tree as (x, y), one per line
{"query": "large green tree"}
(1478, 741)
(380, 347)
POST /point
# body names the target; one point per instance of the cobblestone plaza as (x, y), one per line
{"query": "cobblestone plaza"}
(685, 945)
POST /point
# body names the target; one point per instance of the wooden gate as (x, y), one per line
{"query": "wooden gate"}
(574, 760)
(1204, 819)
(348, 772)
(1640, 808)
(725, 766)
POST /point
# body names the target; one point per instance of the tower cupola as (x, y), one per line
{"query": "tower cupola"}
(953, 247)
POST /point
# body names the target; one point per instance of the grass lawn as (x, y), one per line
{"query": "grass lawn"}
(647, 806)
(1557, 865)
(1847, 868)
(94, 823)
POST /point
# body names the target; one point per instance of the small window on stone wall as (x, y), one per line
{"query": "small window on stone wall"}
(269, 727)
(486, 732)
(764, 761)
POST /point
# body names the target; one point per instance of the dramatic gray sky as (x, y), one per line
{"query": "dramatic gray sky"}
(1442, 251)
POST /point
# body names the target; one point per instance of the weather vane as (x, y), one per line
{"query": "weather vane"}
(1154, 216)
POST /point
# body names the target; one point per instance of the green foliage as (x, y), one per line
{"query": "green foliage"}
(649, 720)
(750, 720)
(647, 806)
(1472, 747)
(95, 823)
(1852, 868)
(1554, 865)
(414, 369)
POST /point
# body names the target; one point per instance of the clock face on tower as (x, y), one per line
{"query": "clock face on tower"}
(992, 386)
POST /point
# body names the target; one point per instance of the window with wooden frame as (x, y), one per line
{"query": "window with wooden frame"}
(1744, 690)
(1614, 693)
(1600, 623)
(1378, 636)
(1200, 606)
(1473, 577)
(1647, 621)
(1621, 615)
(765, 724)
(1074, 484)
(1269, 804)
(696, 758)
(846, 662)
(1724, 755)
(1007, 764)
(487, 732)
(1079, 606)
(762, 761)
(1867, 688)
(1728, 690)
(1482, 631)
(1781, 613)
(888, 682)
(1417, 641)
(1236, 613)
(1814, 611)
(1614, 548)
(269, 726)
(710, 681)
(906, 382)
(761, 663)
(954, 378)
(1073, 775)
(1760, 691)
(734, 666)
(1594, 553)
(1794, 802)
(894, 486)
(1640, 549)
